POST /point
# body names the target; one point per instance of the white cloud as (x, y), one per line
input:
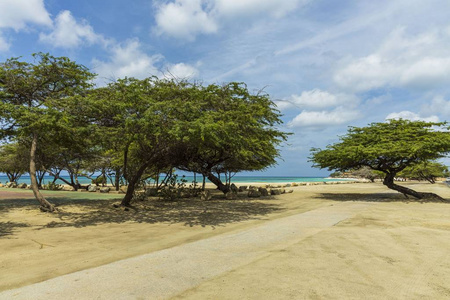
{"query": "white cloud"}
(321, 119)
(184, 19)
(283, 105)
(417, 62)
(276, 8)
(317, 99)
(182, 71)
(16, 14)
(68, 33)
(409, 115)
(438, 106)
(127, 60)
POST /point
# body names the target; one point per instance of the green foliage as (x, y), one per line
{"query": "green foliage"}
(335, 174)
(225, 128)
(134, 128)
(387, 147)
(99, 180)
(174, 188)
(51, 186)
(367, 173)
(33, 95)
(427, 170)
(14, 161)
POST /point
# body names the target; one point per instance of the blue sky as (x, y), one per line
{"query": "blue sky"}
(327, 64)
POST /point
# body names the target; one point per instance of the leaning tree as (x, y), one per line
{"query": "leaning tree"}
(427, 170)
(32, 102)
(226, 128)
(388, 147)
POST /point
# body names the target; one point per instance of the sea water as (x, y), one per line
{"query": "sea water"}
(190, 179)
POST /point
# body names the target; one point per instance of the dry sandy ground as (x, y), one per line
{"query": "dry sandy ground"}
(391, 250)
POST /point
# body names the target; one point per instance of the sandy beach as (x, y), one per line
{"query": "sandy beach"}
(389, 248)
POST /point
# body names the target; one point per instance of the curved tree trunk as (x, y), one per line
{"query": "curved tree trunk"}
(126, 201)
(214, 179)
(389, 182)
(117, 179)
(45, 205)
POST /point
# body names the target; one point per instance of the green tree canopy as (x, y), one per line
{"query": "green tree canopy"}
(14, 160)
(225, 128)
(426, 170)
(388, 147)
(32, 102)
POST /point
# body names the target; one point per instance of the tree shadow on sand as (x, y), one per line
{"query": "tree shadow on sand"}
(376, 197)
(190, 212)
(7, 228)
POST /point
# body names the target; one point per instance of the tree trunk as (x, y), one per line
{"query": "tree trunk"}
(389, 182)
(40, 178)
(222, 187)
(117, 179)
(126, 201)
(45, 205)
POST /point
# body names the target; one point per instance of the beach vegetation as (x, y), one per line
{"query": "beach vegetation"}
(388, 147)
(13, 161)
(426, 170)
(32, 103)
(132, 129)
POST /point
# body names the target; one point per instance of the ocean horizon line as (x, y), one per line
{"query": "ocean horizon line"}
(190, 178)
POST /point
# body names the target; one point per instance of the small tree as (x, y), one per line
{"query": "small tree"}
(388, 147)
(226, 128)
(427, 170)
(13, 161)
(32, 103)
(367, 173)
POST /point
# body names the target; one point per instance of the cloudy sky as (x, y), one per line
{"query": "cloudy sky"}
(327, 64)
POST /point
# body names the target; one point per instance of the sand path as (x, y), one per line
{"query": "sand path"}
(167, 273)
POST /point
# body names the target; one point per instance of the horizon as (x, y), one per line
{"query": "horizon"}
(327, 65)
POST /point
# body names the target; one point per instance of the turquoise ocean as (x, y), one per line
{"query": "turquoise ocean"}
(236, 179)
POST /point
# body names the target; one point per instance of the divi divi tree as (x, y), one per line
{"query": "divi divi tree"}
(388, 147)
(32, 96)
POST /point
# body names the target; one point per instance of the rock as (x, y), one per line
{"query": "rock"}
(275, 192)
(152, 192)
(287, 185)
(264, 192)
(22, 186)
(105, 190)
(92, 188)
(231, 195)
(253, 194)
(234, 188)
(282, 191)
(68, 188)
(242, 188)
(123, 189)
(2, 185)
(205, 196)
(289, 191)
(185, 194)
(294, 184)
(11, 185)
